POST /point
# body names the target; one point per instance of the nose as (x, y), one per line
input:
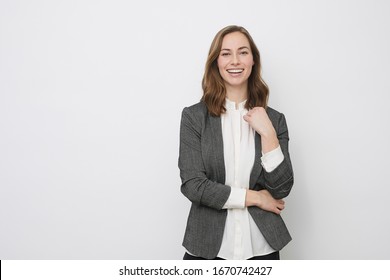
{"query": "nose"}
(235, 59)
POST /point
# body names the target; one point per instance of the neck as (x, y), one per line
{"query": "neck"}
(237, 95)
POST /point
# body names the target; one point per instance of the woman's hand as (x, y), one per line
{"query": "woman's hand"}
(258, 119)
(264, 200)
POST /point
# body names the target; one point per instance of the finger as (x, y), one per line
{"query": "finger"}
(280, 201)
(280, 206)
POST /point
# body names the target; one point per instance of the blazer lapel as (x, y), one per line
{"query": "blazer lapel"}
(257, 167)
(216, 129)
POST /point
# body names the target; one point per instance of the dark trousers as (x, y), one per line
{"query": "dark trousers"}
(272, 256)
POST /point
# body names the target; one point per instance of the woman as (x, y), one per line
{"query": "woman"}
(234, 161)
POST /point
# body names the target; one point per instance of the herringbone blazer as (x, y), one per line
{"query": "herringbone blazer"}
(202, 171)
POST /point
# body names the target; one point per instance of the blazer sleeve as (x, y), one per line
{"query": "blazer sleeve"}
(280, 181)
(196, 186)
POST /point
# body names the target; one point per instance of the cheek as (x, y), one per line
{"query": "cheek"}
(249, 72)
(250, 64)
(250, 61)
(220, 66)
(219, 63)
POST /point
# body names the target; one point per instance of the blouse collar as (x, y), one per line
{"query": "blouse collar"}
(231, 105)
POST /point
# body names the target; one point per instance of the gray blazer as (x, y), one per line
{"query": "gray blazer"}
(202, 171)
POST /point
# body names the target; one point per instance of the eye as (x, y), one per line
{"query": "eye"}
(225, 54)
(244, 52)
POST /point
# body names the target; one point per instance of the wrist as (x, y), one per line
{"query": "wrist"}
(271, 134)
(252, 198)
(269, 142)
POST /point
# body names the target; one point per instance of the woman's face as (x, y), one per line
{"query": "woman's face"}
(235, 60)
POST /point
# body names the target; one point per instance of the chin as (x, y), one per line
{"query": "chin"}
(237, 84)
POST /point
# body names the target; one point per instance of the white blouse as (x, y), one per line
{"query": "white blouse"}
(242, 238)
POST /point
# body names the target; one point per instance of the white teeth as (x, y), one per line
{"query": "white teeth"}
(235, 70)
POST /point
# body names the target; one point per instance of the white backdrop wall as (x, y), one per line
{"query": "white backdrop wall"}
(91, 94)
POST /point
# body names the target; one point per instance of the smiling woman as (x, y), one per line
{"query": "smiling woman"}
(234, 161)
(233, 50)
(235, 65)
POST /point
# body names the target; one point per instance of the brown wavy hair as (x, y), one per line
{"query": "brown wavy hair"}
(214, 90)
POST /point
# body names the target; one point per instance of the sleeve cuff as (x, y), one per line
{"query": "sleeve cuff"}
(236, 199)
(272, 159)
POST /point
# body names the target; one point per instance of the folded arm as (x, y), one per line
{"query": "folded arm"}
(280, 180)
(195, 184)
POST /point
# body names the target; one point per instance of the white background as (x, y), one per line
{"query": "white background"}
(91, 94)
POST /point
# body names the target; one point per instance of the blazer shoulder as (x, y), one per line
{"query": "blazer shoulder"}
(277, 118)
(272, 113)
(197, 111)
(196, 108)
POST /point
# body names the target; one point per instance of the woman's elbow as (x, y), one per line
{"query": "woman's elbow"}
(282, 190)
(187, 189)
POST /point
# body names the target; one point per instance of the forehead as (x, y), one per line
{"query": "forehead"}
(235, 40)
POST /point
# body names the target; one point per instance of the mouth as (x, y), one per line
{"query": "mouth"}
(235, 71)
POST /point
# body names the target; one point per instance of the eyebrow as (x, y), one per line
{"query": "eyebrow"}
(244, 47)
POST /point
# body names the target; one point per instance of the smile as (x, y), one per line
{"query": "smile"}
(235, 71)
